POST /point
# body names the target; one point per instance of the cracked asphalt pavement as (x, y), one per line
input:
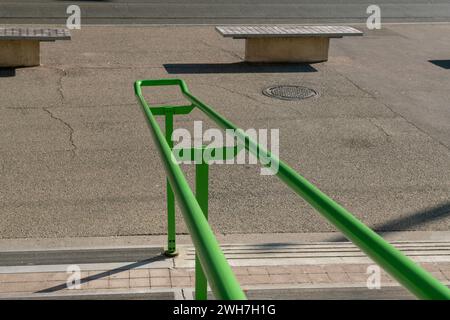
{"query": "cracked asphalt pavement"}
(77, 158)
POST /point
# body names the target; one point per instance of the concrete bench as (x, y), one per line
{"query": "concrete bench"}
(20, 47)
(287, 43)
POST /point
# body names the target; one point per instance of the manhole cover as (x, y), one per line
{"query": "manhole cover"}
(289, 92)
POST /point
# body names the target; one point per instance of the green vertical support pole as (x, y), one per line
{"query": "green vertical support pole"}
(171, 231)
(201, 190)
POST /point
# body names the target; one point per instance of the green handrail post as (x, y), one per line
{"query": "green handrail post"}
(217, 270)
(414, 278)
(168, 112)
(201, 190)
(171, 224)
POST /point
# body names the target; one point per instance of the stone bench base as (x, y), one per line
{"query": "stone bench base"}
(19, 53)
(288, 49)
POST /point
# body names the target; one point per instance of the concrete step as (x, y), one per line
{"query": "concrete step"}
(318, 293)
(273, 267)
(58, 257)
(100, 295)
(316, 253)
(348, 293)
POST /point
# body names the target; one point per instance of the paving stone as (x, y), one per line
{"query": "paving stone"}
(430, 266)
(191, 272)
(302, 278)
(319, 277)
(30, 277)
(333, 268)
(444, 266)
(120, 275)
(119, 283)
(254, 279)
(358, 277)
(446, 273)
(281, 278)
(159, 273)
(257, 270)
(139, 273)
(139, 282)
(98, 284)
(160, 282)
(439, 275)
(240, 270)
(355, 268)
(12, 287)
(182, 272)
(338, 277)
(312, 269)
(180, 282)
(278, 270)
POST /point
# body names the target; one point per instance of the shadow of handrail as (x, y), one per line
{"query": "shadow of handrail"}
(105, 273)
(406, 223)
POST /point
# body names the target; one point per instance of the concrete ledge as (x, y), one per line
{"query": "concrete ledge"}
(88, 256)
(120, 294)
(356, 293)
(84, 243)
(19, 53)
(303, 50)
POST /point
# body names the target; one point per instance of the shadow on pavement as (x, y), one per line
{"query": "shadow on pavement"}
(105, 273)
(7, 72)
(407, 223)
(445, 64)
(238, 67)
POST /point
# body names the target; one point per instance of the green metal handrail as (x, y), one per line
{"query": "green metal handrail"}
(213, 261)
(223, 283)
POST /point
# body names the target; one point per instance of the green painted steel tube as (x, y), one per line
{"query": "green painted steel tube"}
(218, 272)
(201, 193)
(403, 269)
(171, 223)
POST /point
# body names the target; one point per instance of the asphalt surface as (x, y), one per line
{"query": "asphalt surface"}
(220, 11)
(77, 158)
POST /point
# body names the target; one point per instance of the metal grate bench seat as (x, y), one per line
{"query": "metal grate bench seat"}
(287, 43)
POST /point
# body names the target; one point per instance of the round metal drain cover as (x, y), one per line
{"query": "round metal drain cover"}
(289, 92)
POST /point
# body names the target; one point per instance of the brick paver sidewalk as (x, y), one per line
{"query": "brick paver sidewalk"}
(159, 278)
